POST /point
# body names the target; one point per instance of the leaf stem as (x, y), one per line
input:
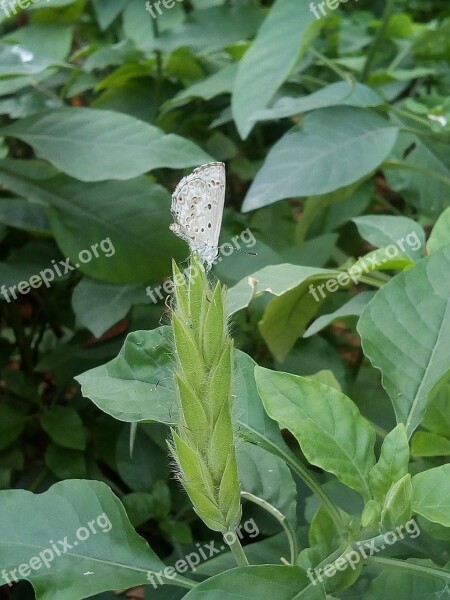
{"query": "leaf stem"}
(374, 47)
(278, 515)
(237, 550)
(254, 437)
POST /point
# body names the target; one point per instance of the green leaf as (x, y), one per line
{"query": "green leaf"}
(341, 93)
(437, 416)
(328, 426)
(268, 477)
(47, 41)
(353, 307)
(431, 494)
(83, 215)
(65, 463)
(428, 195)
(91, 145)
(264, 582)
(98, 306)
(427, 444)
(106, 11)
(23, 214)
(309, 160)
(110, 556)
(397, 504)
(278, 46)
(392, 464)
(384, 230)
(12, 422)
(404, 332)
(137, 385)
(18, 60)
(407, 585)
(440, 235)
(64, 426)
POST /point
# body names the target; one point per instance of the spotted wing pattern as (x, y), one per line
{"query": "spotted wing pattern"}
(197, 207)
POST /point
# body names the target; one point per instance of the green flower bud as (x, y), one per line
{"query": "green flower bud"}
(203, 443)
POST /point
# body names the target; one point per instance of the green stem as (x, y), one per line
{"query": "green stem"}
(394, 563)
(237, 550)
(432, 135)
(411, 167)
(290, 533)
(256, 438)
(388, 9)
(329, 63)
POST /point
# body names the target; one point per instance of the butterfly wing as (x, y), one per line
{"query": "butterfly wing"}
(197, 208)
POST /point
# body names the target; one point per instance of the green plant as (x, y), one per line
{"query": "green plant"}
(335, 135)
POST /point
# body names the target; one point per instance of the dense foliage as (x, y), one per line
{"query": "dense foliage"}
(333, 121)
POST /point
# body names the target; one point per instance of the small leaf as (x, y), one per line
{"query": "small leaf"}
(429, 444)
(64, 426)
(431, 494)
(392, 464)
(397, 504)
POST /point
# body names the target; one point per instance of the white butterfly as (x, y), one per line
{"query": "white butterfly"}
(197, 208)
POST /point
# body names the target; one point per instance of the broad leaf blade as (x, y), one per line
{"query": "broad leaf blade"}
(94, 145)
(112, 557)
(331, 148)
(405, 331)
(265, 582)
(331, 432)
(269, 60)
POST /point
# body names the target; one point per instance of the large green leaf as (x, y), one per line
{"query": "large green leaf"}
(138, 385)
(17, 60)
(295, 303)
(341, 93)
(431, 494)
(440, 235)
(82, 215)
(75, 540)
(331, 432)
(331, 148)
(265, 582)
(269, 60)
(384, 230)
(274, 279)
(98, 306)
(94, 145)
(405, 331)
